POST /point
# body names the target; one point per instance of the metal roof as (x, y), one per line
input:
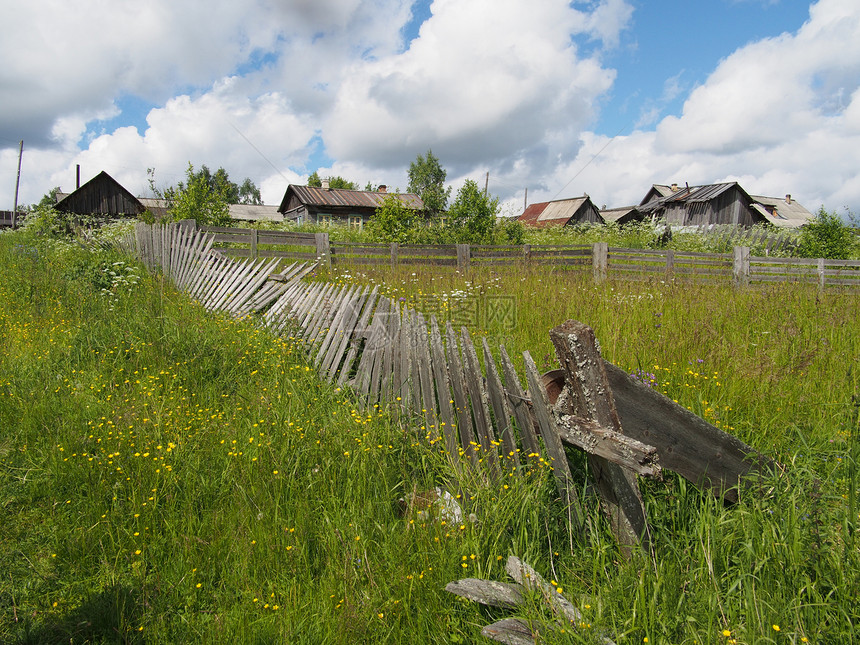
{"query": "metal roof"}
(340, 197)
(555, 213)
(788, 214)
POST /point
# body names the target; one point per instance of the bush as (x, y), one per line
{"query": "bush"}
(826, 236)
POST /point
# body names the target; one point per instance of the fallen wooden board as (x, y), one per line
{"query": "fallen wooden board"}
(511, 631)
(487, 592)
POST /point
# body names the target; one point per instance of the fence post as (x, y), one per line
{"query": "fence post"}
(323, 248)
(741, 265)
(600, 260)
(188, 223)
(395, 254)
(464, 253)
(527, 252)
(670, 263)
(254, 238)
(822, 279)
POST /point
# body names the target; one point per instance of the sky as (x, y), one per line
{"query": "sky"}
(541, 100)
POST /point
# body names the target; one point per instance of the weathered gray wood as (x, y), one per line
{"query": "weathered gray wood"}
(360, 334)
(253, 283)
(487, 592)
(552, 441)
(428, 397)
(325, 323)
(331, 362)
(364, 373)
(510, 631)
(382, 344)
(519, 403)
(530, 579)
(443, 391)
(590, 436)
(405, 371)
(461, 402)
(501, 412)
(342, 310)
(415, 365)
(686, 443)
(316, 316)
(391, 351)
(590, 396)
(480, 403)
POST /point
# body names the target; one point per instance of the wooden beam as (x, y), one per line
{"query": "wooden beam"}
(591, 397)
(590, 436)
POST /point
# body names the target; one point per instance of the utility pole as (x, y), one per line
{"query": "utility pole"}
(526, 200)
(17, 183)
(486, 183)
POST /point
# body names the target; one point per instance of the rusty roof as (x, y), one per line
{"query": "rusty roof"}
(340, 197)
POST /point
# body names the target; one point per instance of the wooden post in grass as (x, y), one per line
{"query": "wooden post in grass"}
(741, 266)
(590, 396)
(255, 236)
(395, 253)
(323, 248)
(600, 260)
(463, 255)
(670, 263)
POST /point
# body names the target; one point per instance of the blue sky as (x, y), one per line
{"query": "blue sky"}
(604, 97)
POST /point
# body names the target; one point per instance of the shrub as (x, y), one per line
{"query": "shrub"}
(826, 236)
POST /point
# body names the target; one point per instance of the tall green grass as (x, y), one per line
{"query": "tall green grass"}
(169, 475)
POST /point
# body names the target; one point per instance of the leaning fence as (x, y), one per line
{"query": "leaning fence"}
(470, 397)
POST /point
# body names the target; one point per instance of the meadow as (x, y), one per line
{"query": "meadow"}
(170, 475)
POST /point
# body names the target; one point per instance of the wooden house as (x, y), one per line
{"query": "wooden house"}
(325, 206)
(562, 212)
(622, 215)
(725, 203)
(718, 204)
(101, 195)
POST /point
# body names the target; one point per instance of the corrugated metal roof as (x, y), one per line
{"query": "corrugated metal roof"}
(339, 197)
(561, 211)
(255, 212)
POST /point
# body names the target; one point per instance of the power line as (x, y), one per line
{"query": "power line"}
(597, 154)
(241, 134)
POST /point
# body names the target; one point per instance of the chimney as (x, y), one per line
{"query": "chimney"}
(325, 184)
(77, 176)
(382, 188)
(674, 187)
(788, 198)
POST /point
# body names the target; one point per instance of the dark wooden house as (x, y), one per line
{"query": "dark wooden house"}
(562, 212)
(321, 205)
(101, 195)
(725, 203)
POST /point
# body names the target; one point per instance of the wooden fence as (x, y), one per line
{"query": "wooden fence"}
(469, 397)
(7, 218)
(604, 261)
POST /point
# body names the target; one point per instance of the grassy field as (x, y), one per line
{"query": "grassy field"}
(172, 476)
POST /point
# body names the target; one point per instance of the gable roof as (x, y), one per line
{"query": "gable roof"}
(340, 198)
(561, 212)
(785, 212)
(101, 195)
(622, 215)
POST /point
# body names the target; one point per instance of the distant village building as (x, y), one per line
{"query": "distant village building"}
(717, 204)
(101, 195)
(325, 206)
(561, 212)
(622, 215)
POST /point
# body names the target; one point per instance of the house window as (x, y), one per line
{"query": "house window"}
(355, 221)
(324, 219)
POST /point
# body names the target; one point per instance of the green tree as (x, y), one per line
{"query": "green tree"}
(472, 216)
(427, 180)
(393, 222)
(826, 236)
(201, 198)
(49, 200)
(333, 182)
(220, 182)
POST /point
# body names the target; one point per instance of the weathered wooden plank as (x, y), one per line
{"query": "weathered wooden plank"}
(414, 366)
(252, 285)
(404, 370)
(530, 579)
(331, 363)
(221, 282)
(359, 335)
(428, 398)
(381, 344)
(590, 436)
(391, 351)
(315, 317)
(480, 403)
(364, 373)
(519, 403)
(552, 441)
(325, 321)
(461, 402)
(686, 443)
(590, 396)
(501, 412)
(487, 592)
(335, 329)
(510, 631)
(232, 277)
(443, 391)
